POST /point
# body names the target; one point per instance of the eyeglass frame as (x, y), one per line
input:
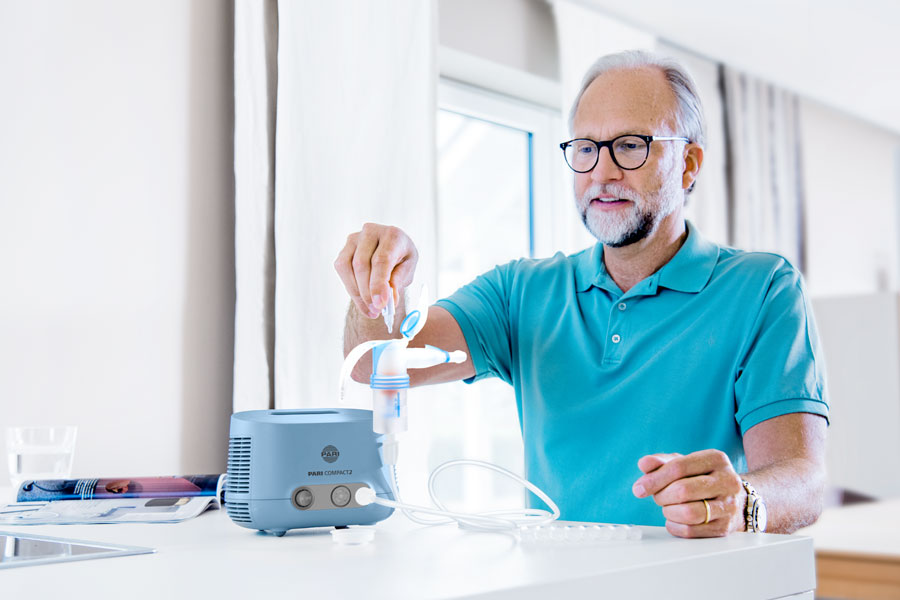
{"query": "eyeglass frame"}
(648, 139)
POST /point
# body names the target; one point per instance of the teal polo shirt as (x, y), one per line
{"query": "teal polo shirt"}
(715, 342)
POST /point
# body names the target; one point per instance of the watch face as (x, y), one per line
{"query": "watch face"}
(761, 516)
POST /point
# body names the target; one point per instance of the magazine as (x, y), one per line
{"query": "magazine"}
(117, 500)
(119, 487)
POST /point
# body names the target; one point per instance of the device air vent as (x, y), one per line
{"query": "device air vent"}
(238, 479)
(238, 511)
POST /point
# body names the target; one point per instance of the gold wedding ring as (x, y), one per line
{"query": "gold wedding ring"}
(706, 504)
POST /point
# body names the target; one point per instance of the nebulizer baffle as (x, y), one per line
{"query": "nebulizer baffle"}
(389, 382)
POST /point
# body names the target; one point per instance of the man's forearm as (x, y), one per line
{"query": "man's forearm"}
(793, 491)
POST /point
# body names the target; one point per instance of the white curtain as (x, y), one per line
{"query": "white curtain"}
(353, 142)
(766, 176)
(255, 84)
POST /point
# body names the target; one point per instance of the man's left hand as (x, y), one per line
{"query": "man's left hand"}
(680, 484)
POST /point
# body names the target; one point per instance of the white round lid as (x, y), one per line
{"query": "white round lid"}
(353, 535)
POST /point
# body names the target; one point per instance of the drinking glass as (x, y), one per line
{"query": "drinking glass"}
(40, 452)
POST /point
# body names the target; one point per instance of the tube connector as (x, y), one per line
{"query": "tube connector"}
(364, 496)
(390, 449)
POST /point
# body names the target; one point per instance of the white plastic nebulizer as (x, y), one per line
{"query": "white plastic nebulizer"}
(389, 381)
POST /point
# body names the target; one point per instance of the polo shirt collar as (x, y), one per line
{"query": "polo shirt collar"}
(692, 266)
(688, 271)
(590, 270)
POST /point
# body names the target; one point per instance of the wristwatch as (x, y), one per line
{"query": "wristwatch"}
(755, 512)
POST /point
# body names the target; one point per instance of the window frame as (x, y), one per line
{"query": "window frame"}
(550, 212)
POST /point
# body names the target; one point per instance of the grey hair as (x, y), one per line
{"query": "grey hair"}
(689, 114)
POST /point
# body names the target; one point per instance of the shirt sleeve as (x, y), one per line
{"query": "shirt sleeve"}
(782, 370)
(481, 308)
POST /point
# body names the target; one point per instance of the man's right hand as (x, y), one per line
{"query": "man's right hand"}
(376, 261)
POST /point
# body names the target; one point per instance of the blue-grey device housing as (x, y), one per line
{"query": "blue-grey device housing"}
(289, 469)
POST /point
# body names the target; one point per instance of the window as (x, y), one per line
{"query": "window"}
(500, 187)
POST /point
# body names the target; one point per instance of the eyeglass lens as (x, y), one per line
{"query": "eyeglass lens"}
(629, 152)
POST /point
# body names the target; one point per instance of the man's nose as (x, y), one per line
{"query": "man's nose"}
(606, 169)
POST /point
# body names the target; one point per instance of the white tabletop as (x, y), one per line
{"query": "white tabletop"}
(871, 528)
(210, 557)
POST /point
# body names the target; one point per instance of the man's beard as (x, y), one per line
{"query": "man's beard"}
(627, 227)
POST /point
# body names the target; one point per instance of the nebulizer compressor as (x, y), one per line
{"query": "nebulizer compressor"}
(276, 480)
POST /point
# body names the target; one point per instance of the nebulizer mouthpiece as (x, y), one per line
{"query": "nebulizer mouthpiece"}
(391, 360)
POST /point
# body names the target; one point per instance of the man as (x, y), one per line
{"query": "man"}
(654, 352)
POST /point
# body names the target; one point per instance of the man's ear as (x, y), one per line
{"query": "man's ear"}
(693, 158)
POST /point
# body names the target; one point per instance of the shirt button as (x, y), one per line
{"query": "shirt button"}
(616, 339)
(621, 306)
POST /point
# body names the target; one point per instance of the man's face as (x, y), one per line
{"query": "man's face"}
(621, 207)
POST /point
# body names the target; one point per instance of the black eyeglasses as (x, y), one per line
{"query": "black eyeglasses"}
(629, 152)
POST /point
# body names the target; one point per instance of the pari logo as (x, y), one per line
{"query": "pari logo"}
(330, 454)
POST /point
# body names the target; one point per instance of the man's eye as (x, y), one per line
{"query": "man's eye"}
(585, 149)
(628, 146)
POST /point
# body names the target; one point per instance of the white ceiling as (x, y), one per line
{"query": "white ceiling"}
(843, 54)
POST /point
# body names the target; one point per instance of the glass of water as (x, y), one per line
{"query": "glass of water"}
(40, 452)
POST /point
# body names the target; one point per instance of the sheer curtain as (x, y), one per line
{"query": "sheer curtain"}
(338, 131)
(764, 166)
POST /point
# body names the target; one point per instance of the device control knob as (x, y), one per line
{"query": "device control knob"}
(341, 495)
(303, 498)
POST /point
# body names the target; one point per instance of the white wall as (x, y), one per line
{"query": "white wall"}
(516, 33)
(842, 54)
(852, 192)
(861, 338)
(116, 229)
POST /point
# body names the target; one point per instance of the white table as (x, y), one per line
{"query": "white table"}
(210, 557)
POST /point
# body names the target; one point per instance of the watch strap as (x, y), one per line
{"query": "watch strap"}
(750, 510)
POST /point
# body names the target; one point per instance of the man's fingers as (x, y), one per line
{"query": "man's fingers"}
(719, 484)
(343, 266)
(383, 262)
(694, 512)
(654, 461)
(717, 528)
(697, 463)
(392, 255)
(402, 275)
(362, 267)
(372, 260)
(648, 464)
(688, 489)
(700, 494)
